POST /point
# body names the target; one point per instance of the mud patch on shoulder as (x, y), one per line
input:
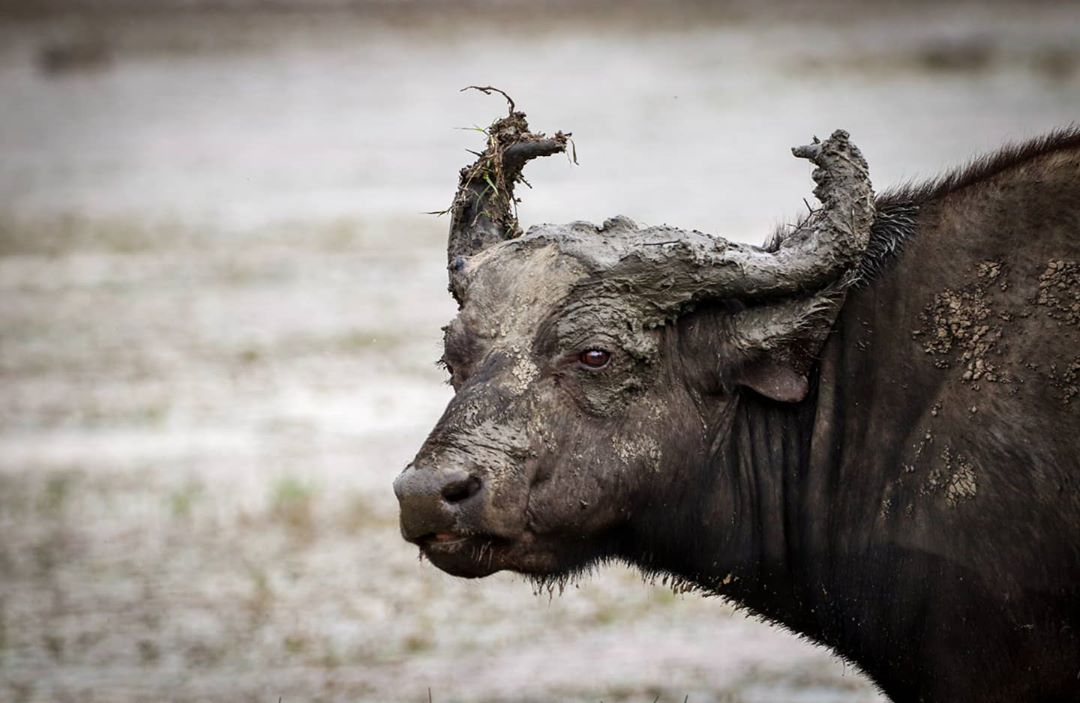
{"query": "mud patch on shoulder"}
(1059, 291)
(1065, 380)
(962, 484)
(961, 326)
(1058, 297)
(954, 477)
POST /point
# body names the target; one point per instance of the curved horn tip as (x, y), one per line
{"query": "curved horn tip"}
(484, 207)
(808, 151)
(839, 139)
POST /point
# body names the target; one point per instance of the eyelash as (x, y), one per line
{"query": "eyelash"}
(443, 364)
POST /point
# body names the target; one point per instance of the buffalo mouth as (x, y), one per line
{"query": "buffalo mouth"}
(478, 555)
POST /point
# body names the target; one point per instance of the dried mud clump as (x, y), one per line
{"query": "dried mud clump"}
(1059, 291)
(1066, 381)
(962, 323)
(630, 449)
(955, 476)
(1059, 297)
(962, 484)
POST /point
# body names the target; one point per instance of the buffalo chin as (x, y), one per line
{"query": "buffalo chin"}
(476, 557)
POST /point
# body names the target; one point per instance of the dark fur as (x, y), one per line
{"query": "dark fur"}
(974, 601)
(844, 529)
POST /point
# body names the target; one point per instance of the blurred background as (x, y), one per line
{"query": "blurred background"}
(220, 306)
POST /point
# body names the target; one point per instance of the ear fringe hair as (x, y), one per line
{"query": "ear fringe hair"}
(892, 228)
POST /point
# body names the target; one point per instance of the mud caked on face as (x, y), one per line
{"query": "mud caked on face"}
(593, 365)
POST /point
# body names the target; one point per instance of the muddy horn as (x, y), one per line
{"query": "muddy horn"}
(793, 286)
(483, 211)
(686, 266)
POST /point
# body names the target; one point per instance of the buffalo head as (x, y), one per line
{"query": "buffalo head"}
(593, 365)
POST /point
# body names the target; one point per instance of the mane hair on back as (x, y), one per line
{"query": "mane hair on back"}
(982, 168)
(898, 208)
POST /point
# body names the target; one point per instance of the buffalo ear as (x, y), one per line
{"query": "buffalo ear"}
(775, 379)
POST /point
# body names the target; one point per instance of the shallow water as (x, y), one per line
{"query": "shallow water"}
(220, 304)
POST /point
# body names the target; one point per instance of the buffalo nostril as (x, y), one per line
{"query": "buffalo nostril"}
(457, 491)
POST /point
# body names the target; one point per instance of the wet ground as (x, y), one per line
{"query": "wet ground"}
(220, 308)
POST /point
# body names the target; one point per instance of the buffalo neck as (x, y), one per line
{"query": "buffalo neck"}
(740, 522)
(769, 524)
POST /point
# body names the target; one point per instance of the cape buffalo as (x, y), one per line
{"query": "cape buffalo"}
(867, 430)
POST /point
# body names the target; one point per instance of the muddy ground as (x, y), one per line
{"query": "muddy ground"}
(220, 308)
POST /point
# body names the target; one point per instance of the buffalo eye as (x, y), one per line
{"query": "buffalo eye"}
(594, 358)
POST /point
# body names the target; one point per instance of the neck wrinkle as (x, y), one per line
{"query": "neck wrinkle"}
(749, 528)
(739, 530)
(765, 530)
(768, 465)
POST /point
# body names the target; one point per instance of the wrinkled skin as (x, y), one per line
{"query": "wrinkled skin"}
(911, 499)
